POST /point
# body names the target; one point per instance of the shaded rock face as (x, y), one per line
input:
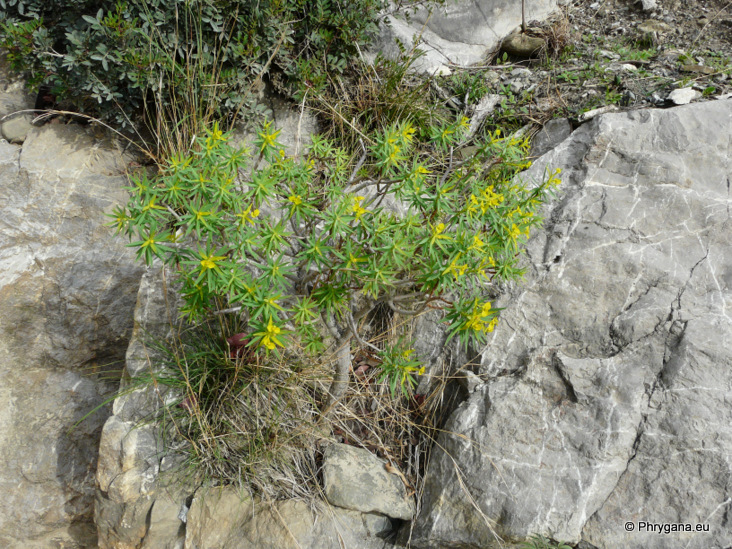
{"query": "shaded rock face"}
(67, 291)
(461, 32)
(608, 382)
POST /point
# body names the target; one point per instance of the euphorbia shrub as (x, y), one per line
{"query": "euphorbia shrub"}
(288, 243)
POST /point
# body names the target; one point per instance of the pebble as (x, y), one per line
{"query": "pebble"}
(492, 77)
(589, 115)
(522, 45)
(521, 73)
(683, 96)
(652, 25)
(656, 99)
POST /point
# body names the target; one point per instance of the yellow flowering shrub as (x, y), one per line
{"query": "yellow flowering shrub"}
(333, 244)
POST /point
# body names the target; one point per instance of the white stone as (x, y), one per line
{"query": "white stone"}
(683, 96)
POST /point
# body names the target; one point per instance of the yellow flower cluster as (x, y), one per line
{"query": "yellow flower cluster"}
(269, 336)
(477, 243)
(554, 177)
(406, 370)
(209, 261)
(488, 199)
(477, 319)
(414, 369)
(247, 215)
(455, 269)
(357, 208)
(214, 137)
(407, 133)
(437, 231)
(268, 137)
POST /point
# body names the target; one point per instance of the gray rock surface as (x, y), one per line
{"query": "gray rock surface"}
(461, 32)
(608, 383)
(551, 134)
(67, 291)
(355, 479)
(13, 95)
(223, 517)
(130, 451)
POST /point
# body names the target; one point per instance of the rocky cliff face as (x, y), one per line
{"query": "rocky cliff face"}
(607, 385)
(602, 398)
(600, 413)
(67, 291)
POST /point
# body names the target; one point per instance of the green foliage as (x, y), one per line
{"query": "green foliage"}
(301, 240)
(468, 87)
(113, 57)
(540, 542)
(635, 54)
(514, 109)
(398, 367)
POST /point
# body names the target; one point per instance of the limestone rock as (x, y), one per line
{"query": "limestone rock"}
(67, 291)
(167, 529)
(130, 454)
(484, 107)
(461, 32)
(223, 517)
(16, 128)
(355, 479)
(552, 134)
(608, 380)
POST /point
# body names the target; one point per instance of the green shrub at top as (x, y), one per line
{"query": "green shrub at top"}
(287, 247)
(111, 57)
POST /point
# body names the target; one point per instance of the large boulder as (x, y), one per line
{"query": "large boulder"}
(462, 32)
(606, 409)
(223, 517)
(67, 292)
